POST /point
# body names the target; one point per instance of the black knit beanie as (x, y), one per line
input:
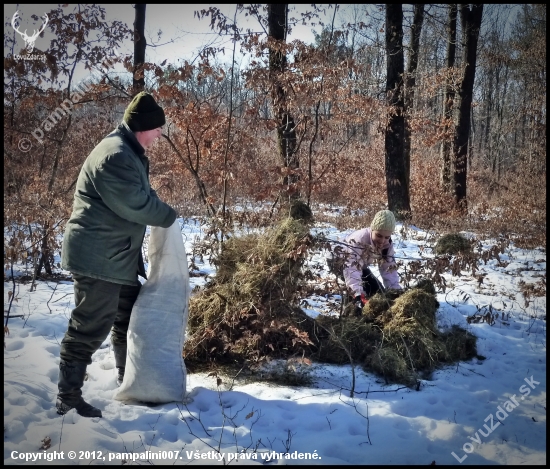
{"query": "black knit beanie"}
(143, 113)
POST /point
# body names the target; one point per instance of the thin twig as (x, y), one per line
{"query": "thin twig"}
(11, 298)
(59, 299)
(354, 405)
(53, 293)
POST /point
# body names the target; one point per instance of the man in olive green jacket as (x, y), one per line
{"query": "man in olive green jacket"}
(113, 204)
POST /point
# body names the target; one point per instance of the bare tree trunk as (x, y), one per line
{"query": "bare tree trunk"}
(410, 83)
(396, 179)
(448, 101)
(140, 44)
(471, 23)
(489, 111)
(44, 260)
(286, 129)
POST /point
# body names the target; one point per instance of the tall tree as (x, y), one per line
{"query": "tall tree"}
(448, 100)
(277, 18)
(410, 83)
(396, 177)
(470, 17)
(139, 49)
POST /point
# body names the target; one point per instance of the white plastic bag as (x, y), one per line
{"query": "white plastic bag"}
(155, 371)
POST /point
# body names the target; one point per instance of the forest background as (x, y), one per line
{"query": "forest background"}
(437, 112)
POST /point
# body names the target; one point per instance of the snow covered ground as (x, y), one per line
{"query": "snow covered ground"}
(490, 411)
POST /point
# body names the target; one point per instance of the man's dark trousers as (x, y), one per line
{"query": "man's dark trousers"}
(99, 307)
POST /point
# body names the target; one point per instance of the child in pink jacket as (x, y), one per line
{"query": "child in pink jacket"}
(365, 247)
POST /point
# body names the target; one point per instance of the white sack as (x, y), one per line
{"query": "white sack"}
(155, 371)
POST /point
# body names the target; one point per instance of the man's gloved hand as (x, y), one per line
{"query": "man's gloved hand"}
(360, 301)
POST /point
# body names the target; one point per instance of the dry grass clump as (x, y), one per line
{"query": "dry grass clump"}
(411, 346)
(336, 339)
(299, 210)
(415, 308)
(426, 285)
(380, 303)
(247, 312)
(410, 334)
(452, 243)
(389, 362)
(459, 344)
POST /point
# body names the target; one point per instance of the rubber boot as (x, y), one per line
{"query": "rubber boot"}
(120, 361)
(71, 380)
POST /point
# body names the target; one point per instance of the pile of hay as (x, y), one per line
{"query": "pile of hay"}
(452, 243)
(247, 312)
(396, 337)
(411, 346)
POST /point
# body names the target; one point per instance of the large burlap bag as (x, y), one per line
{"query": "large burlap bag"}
(155, 370)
